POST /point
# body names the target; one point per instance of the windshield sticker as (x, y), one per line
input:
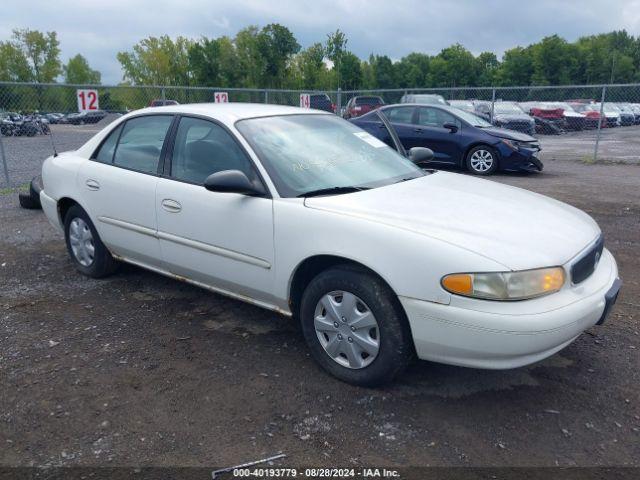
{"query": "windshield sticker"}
(370, 139)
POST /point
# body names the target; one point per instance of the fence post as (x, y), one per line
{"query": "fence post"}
(266, 96)
(493, 101)
(3, 157)
(163, 96)
(600, 119)
(338, 101)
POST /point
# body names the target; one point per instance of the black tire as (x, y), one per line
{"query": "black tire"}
(103, 263)
(27, 201)
(478, 170)
(396, 348)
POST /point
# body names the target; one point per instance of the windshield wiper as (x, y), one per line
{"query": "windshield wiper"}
(332, 191)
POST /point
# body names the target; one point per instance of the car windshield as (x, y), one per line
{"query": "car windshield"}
(562, 105)
(473, 119)
(305, 153)
(463, 104)
(507, 108)
(428, 99)
(369, 101)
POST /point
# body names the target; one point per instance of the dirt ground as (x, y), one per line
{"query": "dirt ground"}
(139, 369)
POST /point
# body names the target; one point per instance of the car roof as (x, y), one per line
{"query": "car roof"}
(435, 105)
(228, 112)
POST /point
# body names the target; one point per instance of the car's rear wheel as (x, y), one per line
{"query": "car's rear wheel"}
(355, 326)
(89, 255)
(482, 160)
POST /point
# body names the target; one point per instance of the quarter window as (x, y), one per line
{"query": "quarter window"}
(105, 153)
(202, 148)
(141, 143)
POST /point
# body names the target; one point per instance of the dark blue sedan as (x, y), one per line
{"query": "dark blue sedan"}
(456, 137)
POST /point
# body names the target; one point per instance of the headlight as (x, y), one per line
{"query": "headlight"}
(505, 285)
(511, 143)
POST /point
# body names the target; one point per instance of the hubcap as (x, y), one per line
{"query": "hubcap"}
(481, 160)
(81, 242)
(347, 329)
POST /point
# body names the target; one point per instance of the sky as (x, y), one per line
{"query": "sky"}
(100, 29)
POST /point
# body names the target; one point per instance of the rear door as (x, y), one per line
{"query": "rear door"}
(223, 240)
(118, 187)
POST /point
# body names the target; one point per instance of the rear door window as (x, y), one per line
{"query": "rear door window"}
(141, 143)
(400, 114)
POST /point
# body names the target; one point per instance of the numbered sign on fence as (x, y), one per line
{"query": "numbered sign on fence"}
(305, 100)
(221, 97)
(87, 100)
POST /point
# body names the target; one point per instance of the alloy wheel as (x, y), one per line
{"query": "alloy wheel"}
(481, 160)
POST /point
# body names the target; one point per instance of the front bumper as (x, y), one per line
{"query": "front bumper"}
(521, 160)
(498, 335)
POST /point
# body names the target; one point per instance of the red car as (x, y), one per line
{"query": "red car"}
(592, 116)
(357, 106)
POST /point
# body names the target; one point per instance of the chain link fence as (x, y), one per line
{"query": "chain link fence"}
(578, 122)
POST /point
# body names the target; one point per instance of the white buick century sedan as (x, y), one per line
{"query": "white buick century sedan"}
(303, 213)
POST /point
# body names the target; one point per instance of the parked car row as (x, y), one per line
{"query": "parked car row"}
(533, 117)
(552, 117)
(13, 124)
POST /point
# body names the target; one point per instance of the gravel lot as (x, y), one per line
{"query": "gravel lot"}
(139, 369)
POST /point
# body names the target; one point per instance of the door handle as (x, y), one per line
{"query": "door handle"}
(92, 184)
(171, 206)
(417, 130)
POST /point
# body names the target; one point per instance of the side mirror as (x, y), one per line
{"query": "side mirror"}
(451, 126)
(420, 155)
(233, 181)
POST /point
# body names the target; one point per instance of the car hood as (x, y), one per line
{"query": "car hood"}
(514, 227)
(512, 117)
(509, 134)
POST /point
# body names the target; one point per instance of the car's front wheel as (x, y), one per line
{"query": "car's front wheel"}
(89, 255)
(355, 326)
(482, 160)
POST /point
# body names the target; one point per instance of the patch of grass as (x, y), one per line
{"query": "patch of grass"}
(16, 189)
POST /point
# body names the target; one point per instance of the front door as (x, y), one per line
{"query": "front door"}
(430, 133)
(224, 240)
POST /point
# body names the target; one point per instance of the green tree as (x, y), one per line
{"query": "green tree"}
(383, 72)
(350, 71)
(412, 71)
(14, 66)
(335, 48)
(250, 62)
(311, 66)
(276, 44)
(39, 54)
(157, 61)
(77, 70)
(554, 61)
(516, 67)
(487, 65)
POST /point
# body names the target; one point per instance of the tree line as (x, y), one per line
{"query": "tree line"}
(271, 57)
